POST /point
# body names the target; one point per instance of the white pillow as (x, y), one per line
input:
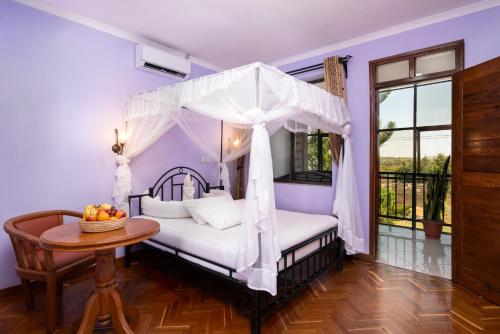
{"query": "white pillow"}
(194, 205)
(218, 193)
(223, 215)
(155, 207)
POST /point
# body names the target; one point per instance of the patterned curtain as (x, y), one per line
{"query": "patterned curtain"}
(240, 176)
(335, 84)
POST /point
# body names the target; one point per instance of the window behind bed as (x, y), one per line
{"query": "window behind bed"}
(302, 157)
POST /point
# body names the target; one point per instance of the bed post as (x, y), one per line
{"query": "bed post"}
(339, 254)
(128, 256)
(256, 319)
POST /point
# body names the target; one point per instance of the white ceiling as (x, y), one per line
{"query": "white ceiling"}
(230, 33)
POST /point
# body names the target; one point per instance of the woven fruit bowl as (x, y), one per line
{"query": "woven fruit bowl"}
(102, 218)
(102, 226)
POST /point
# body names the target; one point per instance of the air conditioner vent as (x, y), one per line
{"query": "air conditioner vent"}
(165, 70)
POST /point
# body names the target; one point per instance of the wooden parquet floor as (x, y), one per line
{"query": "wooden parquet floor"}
(365, 298)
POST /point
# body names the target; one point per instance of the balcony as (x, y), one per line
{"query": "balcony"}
(401, 200)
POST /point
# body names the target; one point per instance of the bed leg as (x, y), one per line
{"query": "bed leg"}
(339, 254)
(256, 320)
(128, 256)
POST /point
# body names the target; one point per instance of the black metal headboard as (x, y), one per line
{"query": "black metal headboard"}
(169, 177)
(173, 181)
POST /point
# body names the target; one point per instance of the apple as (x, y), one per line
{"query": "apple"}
(120, 214)
(91, 218)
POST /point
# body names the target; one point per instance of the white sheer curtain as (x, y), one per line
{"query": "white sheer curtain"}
(200, 130)
(142, 132)
(346, 204)
(256, 263)
(263, 98)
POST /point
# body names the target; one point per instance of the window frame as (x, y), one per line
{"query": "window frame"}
(320, 136)
(458, 46)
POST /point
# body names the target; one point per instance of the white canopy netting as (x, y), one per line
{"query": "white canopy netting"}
(262, 99)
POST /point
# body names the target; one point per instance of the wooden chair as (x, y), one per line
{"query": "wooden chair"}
(36, 264)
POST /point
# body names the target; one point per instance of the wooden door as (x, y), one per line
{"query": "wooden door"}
(476, 179)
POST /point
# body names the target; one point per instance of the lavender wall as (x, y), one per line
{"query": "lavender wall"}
(62, 86)
(482, 42)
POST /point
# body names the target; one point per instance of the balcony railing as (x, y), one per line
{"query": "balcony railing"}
(401, 199)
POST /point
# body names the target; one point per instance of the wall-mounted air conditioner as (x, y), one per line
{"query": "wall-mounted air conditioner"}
(161, 62)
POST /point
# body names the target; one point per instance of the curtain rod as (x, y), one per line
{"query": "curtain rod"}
(342, 60)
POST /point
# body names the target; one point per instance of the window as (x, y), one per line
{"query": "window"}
(411, 116)
(393, 71)
(302, 157)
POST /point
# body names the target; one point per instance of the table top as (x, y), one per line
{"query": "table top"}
(69, 237)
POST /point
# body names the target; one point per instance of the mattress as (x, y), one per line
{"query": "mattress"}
(221, 246)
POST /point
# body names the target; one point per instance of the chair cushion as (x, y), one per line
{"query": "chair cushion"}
(37, 226)
(62, 259)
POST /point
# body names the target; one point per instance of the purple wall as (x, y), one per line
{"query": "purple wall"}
(482, 42)
(304, 197)
(62, 86)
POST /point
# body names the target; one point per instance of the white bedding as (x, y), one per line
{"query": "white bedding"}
(220, 245)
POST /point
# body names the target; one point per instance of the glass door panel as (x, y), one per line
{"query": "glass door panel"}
(434, 149)
(395, 177)
(395, 108)
(396, 151)
(434, 103)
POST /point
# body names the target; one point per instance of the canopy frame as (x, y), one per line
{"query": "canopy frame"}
(262, 98)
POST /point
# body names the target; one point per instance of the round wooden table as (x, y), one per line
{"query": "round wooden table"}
(105, 303)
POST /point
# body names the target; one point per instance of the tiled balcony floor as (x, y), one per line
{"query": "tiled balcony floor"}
(404, 248)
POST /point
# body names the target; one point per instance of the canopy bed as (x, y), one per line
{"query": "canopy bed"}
(261, 99)
(305, 253)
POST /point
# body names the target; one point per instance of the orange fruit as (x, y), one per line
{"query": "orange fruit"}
(102, 215)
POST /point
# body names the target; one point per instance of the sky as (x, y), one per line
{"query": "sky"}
(433, 108)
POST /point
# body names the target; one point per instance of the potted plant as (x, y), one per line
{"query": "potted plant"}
(436, 190)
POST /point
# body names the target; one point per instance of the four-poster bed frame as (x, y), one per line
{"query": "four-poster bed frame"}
(262, 98)
(294, 276)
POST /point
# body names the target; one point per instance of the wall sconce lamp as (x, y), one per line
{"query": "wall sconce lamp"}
(232, 143)
(120, 141)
